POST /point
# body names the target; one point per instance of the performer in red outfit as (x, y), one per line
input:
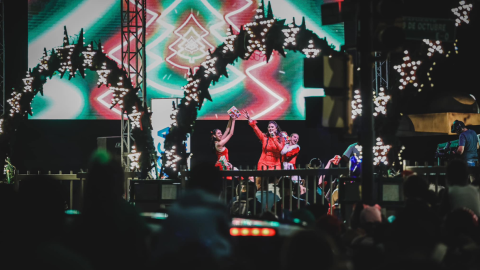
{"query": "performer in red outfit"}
(272, 145)
(290, 152)
(218, 143)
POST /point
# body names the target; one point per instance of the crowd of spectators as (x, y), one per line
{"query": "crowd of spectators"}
(433, 230)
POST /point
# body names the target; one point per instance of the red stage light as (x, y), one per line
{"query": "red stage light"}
(234, 231)
(252, 232)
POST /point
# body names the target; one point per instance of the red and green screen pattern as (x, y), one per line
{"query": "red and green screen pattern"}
(179, 34)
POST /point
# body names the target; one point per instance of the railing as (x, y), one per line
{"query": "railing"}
(436, 170)
(262, 178)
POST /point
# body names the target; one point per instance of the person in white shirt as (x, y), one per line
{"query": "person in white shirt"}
(460, 193)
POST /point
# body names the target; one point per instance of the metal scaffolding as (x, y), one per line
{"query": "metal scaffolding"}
(2, 56)
(133, 19)
(380, 73)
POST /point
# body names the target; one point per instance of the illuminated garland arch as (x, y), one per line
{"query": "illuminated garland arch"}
(73, 58)
(264, 35)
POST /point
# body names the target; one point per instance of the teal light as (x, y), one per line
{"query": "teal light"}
(275, 224)
(391, 219)
(296, 220)
(72, 212)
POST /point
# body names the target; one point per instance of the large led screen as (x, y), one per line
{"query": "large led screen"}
(179, 34)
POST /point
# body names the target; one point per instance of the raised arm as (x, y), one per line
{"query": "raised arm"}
(253, 124)
(320, 180)
(227, 130)
(225, 139)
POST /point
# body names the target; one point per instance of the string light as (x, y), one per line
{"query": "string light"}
(191, 91)
(311, 52)
(172, 158)
(434, 47)
(134, 159)
(356, 104)
(14, 103)
(44, 60)
(135, 118)
(380, 152)
(290, 35)
(257, 31)
(28, 83)
(88, 56)
(103, 74)
(462, 12)
(1, 125)
(400, 155)
(209, 66)
(173, 116)
(380, 102)
(65, 54)
(229, 41)
(117, 96)
(407, 71)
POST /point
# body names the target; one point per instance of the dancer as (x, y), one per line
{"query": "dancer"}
(290, 152)
(272, 144)
(218, 144)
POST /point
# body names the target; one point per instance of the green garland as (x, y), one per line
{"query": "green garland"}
(77, 57)
(264, 35)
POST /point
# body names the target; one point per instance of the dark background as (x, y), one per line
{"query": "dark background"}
(67, 144)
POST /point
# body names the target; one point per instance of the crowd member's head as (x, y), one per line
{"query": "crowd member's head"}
(415, 187)
(105, 179)
(242, 189)
(288, 187)
(321, 251)
(457, 174)
(195, 234)
(370, 214)
(330, 224)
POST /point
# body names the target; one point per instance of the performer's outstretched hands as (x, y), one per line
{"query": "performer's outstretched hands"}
(246, 115)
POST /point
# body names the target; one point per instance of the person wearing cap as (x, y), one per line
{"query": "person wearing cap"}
(467, 143)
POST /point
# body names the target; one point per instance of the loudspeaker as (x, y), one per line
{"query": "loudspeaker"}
(313, 112)
(113, 145)
(350, 190)
(328, 72)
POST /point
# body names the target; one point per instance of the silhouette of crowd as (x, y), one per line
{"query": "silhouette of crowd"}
(435, 229)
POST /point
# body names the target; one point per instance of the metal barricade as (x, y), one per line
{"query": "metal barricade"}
(267, 183)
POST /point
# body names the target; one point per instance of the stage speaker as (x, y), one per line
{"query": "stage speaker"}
(113, 145)
(350, 190)
(327, 72)
(313, 112)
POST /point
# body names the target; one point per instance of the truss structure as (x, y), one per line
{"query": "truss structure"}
(2, 57)
(380, 73)
(133, 20)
